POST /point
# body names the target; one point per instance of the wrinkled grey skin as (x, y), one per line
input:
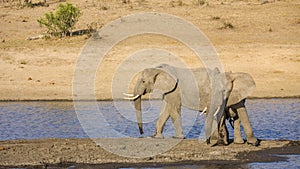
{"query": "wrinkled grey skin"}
(194, 89)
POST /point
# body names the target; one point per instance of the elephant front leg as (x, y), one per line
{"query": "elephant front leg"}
(176, 119)
(237, 131)
(223, 132)
(243, 117)
(220, 135)
(163, 117)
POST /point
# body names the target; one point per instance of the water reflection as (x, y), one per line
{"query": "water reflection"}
(292, 162)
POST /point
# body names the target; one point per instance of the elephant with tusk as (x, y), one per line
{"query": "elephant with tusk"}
(218, 95)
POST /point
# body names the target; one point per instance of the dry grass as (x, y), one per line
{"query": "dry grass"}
(263, 42)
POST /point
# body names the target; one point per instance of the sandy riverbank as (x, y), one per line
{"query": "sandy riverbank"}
(263, 42)
(64, 152)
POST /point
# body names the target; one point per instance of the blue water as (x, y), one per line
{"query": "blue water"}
(32, 120)
(272, 119)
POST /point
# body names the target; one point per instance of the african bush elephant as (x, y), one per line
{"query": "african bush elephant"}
(220, 100)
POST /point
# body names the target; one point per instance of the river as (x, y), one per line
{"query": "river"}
(271, 119)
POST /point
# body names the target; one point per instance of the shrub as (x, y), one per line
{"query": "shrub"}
(201, 2)
(227, 25)
(62, 22)
(216, 18)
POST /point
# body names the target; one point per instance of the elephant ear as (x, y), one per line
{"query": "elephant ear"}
(165, 82)
(243, 86)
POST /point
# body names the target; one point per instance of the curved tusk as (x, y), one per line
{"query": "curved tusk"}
(217, 112)
(132, 98)
(135, 97)
(128, 94)
(203, 111)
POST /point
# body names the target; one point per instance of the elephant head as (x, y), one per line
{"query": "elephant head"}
(149, 80)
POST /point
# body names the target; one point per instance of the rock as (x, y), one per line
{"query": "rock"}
(35, 37)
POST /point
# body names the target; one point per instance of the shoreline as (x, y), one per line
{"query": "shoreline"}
(107, 100)
(84, 152)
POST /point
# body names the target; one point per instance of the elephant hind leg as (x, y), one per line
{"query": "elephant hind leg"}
(237, 128)
(243, 117)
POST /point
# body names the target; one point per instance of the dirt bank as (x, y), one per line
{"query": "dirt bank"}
(47, 152)
(263, 40)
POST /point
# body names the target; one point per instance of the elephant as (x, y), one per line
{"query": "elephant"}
(218, 99)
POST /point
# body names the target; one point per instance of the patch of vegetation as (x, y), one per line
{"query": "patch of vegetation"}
(227, 25)
(62, 22)
(174, 3)
(91, 29)
(30, 4)
(216, 18)
(142, 2)
(111, 4)
(27, 3)
(201, 2)
(270, 29)
(180, 3)
(23, 62)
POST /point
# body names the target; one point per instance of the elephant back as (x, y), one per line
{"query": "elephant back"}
(194, 85)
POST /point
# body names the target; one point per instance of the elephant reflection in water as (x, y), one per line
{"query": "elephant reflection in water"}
(219, 95)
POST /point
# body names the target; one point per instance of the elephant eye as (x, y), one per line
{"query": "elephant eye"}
(143, 81)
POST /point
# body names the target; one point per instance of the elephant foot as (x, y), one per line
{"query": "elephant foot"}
(179, 137)
(158, 136)
(213, 143)
(220, 143)
(238, 141)
(256, 143)
(217, 142)
(225, 142)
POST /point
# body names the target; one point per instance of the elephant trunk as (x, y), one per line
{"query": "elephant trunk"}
(137, 105)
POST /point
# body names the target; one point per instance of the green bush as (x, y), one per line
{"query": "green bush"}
(62, 22)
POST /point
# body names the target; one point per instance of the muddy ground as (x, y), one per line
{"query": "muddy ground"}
(85, 152)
